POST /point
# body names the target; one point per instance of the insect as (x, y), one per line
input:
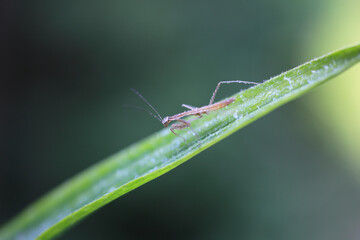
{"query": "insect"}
(193, 111)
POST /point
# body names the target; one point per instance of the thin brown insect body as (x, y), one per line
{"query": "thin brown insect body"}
(194, 111)
(198, 111)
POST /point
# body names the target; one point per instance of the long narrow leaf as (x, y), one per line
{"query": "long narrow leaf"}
(162, 151)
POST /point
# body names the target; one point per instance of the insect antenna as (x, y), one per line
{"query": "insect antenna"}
(142, 109)
(146, 101)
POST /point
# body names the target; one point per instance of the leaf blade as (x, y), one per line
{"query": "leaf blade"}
(161, 152)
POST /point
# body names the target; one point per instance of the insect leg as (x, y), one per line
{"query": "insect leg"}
(221, 82)
(188, 106)
(188, 124)
(177, 126)
(198, 117)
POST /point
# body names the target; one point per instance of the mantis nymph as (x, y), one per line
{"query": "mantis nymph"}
(193, 111)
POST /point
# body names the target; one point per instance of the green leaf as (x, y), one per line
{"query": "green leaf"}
(161, 152)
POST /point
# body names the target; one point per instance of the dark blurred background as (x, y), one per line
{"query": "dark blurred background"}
(67, 67)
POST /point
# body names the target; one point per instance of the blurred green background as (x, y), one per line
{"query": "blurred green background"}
(68, 67)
